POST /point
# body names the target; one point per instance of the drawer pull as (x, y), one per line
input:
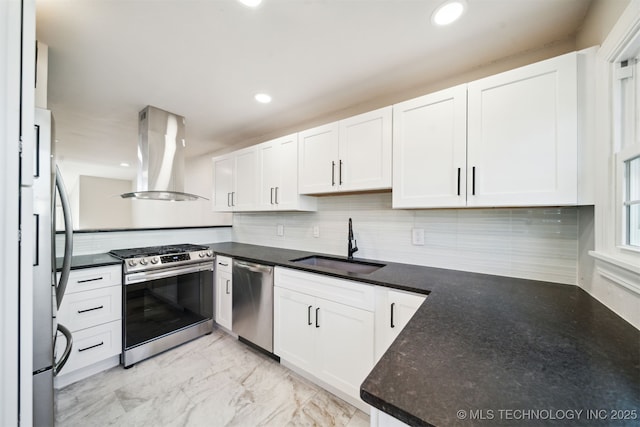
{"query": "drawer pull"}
(393, 304)
(91, 346)
(223, 264)
(90, 309)
(95, 279)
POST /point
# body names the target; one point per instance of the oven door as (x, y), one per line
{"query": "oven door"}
(161, 302)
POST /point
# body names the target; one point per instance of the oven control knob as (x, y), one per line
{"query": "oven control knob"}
(155, 260)
(132, 263)
(144, 261)
(209, 253)
(201, 254)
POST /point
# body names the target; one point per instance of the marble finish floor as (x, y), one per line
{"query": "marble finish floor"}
(212, 381)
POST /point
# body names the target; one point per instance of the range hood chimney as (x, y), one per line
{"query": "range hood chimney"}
(160, 157)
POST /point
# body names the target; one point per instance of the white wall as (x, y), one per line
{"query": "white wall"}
(613, 281)
(534, 243)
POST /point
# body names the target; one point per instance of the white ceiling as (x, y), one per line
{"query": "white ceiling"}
(205, 59)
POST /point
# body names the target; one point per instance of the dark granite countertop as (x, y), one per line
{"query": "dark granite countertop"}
(89, 261)
(504, 351)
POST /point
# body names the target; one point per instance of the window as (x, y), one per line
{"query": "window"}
(631, 201)
(627, 148)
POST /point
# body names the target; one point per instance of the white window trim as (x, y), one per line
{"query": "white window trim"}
(622, 157)
(608, 214)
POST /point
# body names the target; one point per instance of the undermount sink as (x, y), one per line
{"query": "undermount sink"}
(340, 264)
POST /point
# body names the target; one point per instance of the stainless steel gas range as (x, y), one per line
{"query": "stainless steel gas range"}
(167, 298)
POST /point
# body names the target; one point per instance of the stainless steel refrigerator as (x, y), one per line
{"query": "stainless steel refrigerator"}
(47, 289)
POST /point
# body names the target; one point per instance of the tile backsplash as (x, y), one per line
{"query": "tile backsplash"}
(91, 243)
(532, 243)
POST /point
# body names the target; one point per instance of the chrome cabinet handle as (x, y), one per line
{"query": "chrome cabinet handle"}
(90, 309)
(277, 202)
(228, 202)
(228, 287)
(309, 316)
(271, 195)
(393, 304)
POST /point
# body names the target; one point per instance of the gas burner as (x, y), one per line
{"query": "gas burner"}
(154, 257)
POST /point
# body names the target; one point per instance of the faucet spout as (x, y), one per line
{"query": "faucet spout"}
(352, 247)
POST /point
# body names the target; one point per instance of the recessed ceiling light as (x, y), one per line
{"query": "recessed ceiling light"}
(124, 164)
(250, 3)
(448, 12)
(263, 98)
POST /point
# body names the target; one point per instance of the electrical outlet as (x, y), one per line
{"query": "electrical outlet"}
(316, 231)
(280, 230)
(417, 236)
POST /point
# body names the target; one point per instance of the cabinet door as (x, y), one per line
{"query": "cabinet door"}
(294, 328)
(429, 150)
(344, 345)
(365, 151)
(522, 141)
(224, 299)
(394, 309)
(286, 196)
(318, 159)
(269, 174)
(223, 168)
(245, 195)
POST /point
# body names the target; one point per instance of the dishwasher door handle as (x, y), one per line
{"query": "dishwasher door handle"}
(256, 268)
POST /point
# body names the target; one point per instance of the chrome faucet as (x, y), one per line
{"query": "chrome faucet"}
(353, 247)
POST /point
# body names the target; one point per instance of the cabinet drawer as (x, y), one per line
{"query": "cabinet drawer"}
(93, 278)
(83, 310)
(223, 263)
(91, 345)
(354, 294)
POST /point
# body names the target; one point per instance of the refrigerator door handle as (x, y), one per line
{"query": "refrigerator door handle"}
(68, 240)
(67, 350)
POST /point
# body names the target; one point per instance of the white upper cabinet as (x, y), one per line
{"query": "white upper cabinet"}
(350, 155)
(235, 176)
(245, 195)
(318, 159)
(365, 151)
(278, 176)
(506, 140)
(223, 174)
(523, 136)
(429, 150)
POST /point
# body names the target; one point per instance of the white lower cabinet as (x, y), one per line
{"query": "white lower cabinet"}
(324, 327)
(382, 419)
(92, 310)
(394, 309)
(224, 291)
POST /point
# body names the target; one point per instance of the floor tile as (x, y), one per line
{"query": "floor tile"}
(212, 381)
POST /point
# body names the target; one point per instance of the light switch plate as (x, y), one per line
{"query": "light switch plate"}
(280, 230)
(316, 231)
(417, 236)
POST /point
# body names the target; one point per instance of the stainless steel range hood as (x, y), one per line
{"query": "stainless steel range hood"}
(160, 157)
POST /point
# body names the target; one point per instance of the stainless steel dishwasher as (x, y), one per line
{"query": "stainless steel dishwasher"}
(252, 312)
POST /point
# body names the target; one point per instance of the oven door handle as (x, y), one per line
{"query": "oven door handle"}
(145, 276)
